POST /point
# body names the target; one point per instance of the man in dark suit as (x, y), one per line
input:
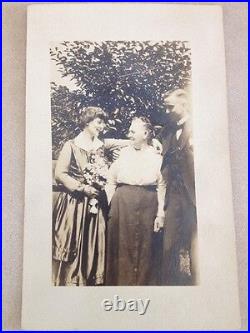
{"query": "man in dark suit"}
(179, 239)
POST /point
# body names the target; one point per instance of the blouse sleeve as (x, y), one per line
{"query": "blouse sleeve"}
(112, 180)
(62, 169)
(115, 146)
(161, 191)
(116, 143)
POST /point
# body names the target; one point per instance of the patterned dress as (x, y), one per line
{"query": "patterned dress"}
(78, 234)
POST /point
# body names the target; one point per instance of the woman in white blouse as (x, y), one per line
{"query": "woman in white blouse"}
(137, 190)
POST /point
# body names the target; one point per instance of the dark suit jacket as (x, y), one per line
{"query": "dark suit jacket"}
(178, 161)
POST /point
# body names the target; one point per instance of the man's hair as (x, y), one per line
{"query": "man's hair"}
(178, 96)
(176, 93)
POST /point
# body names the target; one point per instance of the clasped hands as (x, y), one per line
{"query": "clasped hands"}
(89, 190)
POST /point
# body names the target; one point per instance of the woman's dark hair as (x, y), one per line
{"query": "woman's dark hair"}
(90, 113)
(148, 126)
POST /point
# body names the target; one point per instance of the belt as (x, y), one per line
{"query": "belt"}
(147, 187)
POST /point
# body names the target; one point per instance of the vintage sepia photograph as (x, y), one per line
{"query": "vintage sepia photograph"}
(127, 170)
(124, 204)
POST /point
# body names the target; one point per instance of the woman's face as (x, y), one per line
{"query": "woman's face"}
(137, 132)
(96, 126)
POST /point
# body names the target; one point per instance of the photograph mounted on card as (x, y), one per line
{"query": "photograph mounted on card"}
(112, 105)
(128, 209)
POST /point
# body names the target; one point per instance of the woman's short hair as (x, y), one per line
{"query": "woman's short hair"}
(90, 113)
(148, 126)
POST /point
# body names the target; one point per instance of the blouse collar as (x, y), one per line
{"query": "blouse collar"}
(81, 143)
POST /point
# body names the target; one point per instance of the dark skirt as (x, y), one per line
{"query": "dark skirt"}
(133, 249)
(78, 241)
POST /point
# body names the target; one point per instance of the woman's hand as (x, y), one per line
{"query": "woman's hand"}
(89, 190)
(158, 223)
(116, 153)
(157, 146)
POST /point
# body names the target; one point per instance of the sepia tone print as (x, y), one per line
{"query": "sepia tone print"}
(124, 208)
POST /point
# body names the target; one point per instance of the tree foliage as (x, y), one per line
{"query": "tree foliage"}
(125, 78)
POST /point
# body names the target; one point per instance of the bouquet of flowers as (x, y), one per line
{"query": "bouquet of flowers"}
(95, 174)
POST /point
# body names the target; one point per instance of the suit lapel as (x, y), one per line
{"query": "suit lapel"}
(184, 137)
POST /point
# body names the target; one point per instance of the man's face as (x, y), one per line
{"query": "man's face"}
(175, 105)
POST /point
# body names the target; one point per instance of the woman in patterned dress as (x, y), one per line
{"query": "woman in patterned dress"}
(78, 224)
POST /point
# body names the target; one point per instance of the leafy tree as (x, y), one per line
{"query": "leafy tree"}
(125, 78)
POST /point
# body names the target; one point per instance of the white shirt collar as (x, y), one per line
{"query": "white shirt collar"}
(81, 143)
(183, 120)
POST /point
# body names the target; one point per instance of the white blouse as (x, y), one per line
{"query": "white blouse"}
(138, 167)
